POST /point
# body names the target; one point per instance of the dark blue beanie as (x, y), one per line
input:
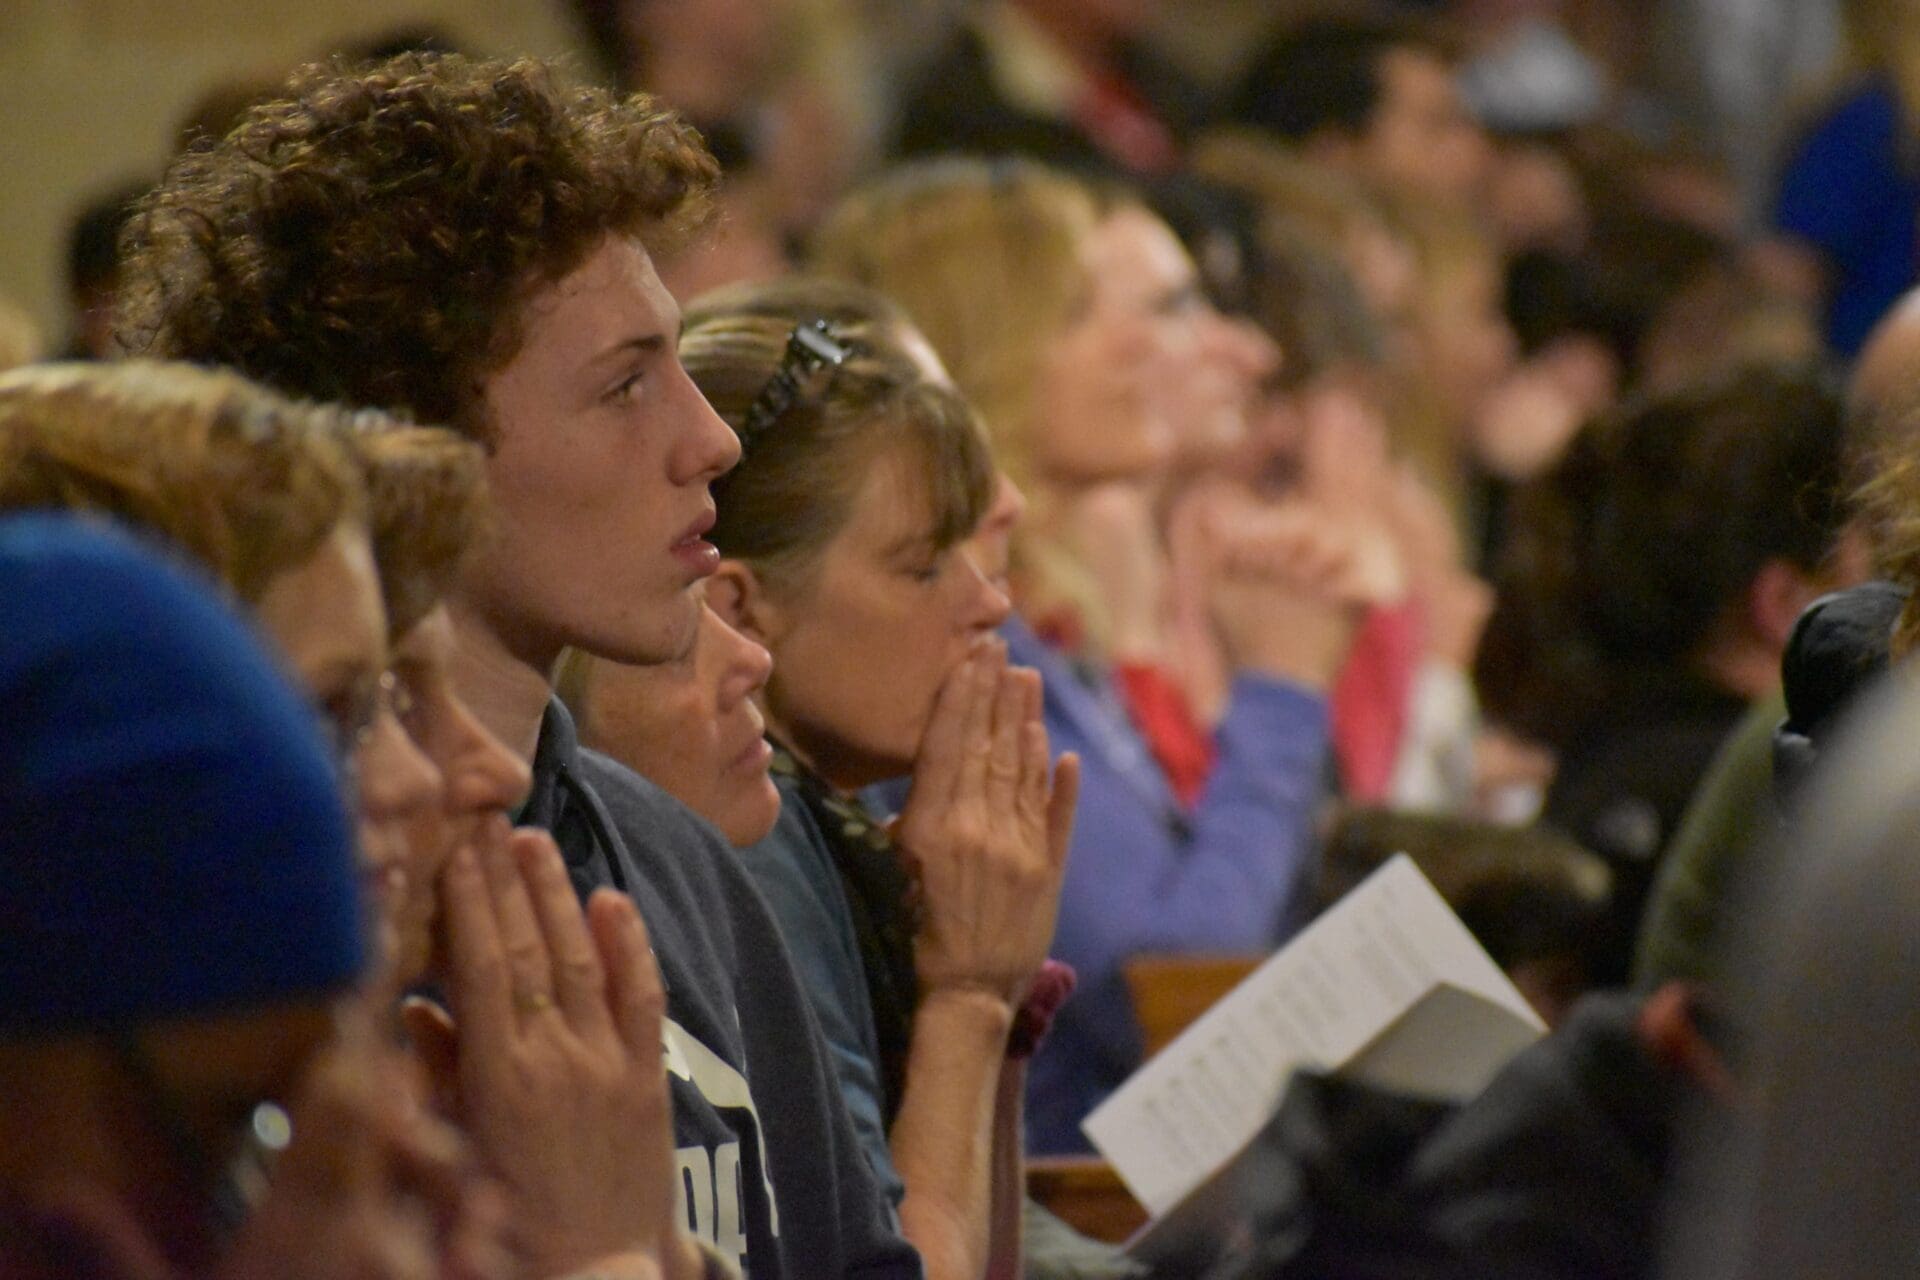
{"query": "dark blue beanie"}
(172, 839)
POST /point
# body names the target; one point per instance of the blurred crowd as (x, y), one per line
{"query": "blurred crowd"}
(821, 534)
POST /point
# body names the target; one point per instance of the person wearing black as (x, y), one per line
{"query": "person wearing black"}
(1646, 596)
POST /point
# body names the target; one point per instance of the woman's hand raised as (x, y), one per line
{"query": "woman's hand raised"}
(553, 1062)
(989, 829)
(1286, 589)
(371, 1186)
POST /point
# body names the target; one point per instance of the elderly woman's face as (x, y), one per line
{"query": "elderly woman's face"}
(691, 726)
(326, 617)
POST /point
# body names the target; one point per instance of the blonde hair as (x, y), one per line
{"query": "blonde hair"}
(1321, 201)
(985, 257)
(426, 508)
(1449, 246)
(241, 479)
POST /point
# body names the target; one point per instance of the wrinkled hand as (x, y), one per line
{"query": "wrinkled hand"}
(988, 830)
(371, 1187)
(555, 1068)
(1286, 591)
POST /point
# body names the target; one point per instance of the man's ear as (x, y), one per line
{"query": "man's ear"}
(737, 595)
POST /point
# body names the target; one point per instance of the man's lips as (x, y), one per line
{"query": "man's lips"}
(692, 548)
(698, 529)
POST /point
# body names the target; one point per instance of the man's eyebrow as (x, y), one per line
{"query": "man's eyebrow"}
(646, 344)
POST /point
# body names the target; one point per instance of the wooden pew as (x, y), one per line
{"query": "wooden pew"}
(1086, 1194)
(1169, 992)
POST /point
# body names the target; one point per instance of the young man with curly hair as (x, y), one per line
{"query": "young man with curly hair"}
(473, 243)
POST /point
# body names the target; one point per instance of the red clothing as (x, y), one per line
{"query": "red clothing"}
(1371, 705)
(1159, 709)
(1117, 118)
(1371, 700)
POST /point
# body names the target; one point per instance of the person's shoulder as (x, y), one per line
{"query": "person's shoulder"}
(795, 843)
(794, 870)
(672, 847)
(641, 807)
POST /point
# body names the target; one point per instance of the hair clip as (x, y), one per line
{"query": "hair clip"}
(811, 348)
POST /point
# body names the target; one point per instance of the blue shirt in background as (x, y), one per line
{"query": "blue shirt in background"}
(1850, 192)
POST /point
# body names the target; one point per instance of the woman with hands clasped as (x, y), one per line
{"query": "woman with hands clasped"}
(547, 1053)
(1078, 326)
(340, 534)
(846, 535)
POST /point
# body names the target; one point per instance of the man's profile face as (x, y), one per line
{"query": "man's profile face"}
(604, 451)
(1420, 137)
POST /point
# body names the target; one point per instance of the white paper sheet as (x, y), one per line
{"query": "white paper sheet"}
(1317, 1002)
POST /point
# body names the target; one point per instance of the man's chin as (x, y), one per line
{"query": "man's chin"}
(667, 636)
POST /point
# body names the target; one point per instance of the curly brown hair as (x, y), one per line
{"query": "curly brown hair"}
(243, 481)
(370, 237)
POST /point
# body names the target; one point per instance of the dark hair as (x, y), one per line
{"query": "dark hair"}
(1625, 557)
(1305, 298)
(370, 237)
(93, 240)
(1525, 893)
(1551, 295)
(1321, 74)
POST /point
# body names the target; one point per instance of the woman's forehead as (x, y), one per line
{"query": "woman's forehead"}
(893, 509)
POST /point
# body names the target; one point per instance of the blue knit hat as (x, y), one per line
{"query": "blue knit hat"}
(172, 840)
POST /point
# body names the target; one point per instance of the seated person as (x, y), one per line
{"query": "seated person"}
(1632, 662)
(1085, 344)
(1063, 81)
(276, 498)
(174, 962)
(844, 530)
(1375, 100)
(505, 284)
